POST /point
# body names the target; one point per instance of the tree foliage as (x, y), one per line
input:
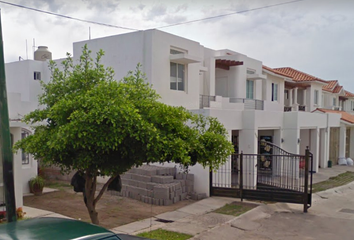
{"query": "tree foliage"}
(103, 127)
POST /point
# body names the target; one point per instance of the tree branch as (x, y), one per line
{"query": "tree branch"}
(105, 186)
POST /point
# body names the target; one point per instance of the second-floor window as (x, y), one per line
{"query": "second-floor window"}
(274, 92)
(177, 77)
(177, 73)
(37, 75)
(315, 95)
(249, 89)
(334, 102)
(351, 105)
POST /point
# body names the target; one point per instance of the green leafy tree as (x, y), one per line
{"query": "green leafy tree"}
(103, 127)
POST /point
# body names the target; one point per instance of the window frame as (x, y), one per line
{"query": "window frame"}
(37, 75)
(249, 93)
(315, 97)
(275, 90)
(177, 77)
(174, 50)
(25, 157)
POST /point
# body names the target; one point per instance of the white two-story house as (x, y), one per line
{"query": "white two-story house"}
(253, 101)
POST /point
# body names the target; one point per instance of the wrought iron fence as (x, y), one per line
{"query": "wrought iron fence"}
(249, 103)
(274, 175)
(204, 100)
(287, 109)
(302, 108)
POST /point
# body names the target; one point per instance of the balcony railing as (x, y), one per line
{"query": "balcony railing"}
(249, 103)
(204, 101)
(287, 109)
(302, 108)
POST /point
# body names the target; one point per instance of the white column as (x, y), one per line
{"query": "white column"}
(323, 155)
(295, 96)
(17, 165)
(248, 144)
(290, 97)
(351, 143)
(342, 137)
(304, 100)
(315, 148)
(327, 145)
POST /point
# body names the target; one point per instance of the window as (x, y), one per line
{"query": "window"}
(25, 156)
(37, 75)
(177, 73)
(177, 78)
(251, 71)
(274, 92)
(351, 105)
(249, 89)
(315, 100)
(334, 102)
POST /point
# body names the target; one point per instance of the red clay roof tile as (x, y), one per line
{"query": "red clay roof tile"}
(298, 76)
(344, 115)
(276, 72)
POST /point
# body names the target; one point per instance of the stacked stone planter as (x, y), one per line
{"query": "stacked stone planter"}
(156, 185)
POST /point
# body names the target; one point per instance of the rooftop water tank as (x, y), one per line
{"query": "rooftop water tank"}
(42, 54)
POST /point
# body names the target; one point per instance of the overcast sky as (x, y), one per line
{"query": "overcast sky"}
(314, 36)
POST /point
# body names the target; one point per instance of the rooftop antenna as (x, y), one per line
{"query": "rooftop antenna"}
(26, 50)
(89, 33)
(34, 46)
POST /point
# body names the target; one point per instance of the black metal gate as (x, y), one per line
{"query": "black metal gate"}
(275, 175)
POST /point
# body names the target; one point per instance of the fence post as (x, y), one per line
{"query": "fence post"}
(306, 187)
(241, 176)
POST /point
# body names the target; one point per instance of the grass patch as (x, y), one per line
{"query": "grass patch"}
(333, 182)
(161, 234)
(235, 208)
(57, 185)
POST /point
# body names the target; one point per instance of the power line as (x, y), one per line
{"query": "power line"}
(228, 14)
(68, 17)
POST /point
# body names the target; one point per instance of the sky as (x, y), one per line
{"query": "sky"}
(313, 36)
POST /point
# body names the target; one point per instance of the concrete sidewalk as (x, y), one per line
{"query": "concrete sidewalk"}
(197, 217)
(198, 220)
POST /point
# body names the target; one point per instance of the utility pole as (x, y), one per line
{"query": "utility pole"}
(5, 141)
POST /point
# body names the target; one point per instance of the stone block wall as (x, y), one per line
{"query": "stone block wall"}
(157, 185)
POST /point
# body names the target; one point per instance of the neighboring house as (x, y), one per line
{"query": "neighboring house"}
(254, 102)
(23, 87)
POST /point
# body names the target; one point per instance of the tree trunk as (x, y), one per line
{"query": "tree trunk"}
(90, 190)
(92, 212)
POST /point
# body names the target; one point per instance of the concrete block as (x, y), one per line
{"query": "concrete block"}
(126, 176)
(179, 176)
(142, 184)
(140, 178)
(161, 192)
(190, 177)
(183, 196)
(201, 196)
(178, 192)
(150, 185)
(162, 179)
(149, 193)
(167, 202)
(175, 199)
